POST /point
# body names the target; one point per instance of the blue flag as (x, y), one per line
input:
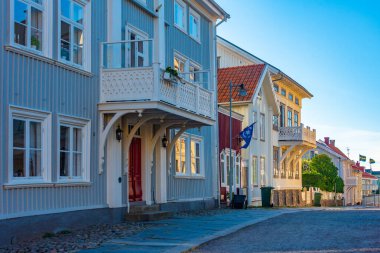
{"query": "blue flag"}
(246, 134)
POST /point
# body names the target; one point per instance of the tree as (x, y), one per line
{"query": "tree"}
(322, 173)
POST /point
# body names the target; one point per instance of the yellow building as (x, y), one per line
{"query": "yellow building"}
(290, 139)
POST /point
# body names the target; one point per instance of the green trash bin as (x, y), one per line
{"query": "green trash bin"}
(266, 193)
(317, 199)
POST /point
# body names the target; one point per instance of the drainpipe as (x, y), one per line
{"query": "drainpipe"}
(216, 108)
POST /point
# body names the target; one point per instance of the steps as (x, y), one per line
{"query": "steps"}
(146, 213)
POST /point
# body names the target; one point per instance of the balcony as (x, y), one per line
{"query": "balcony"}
(298, 134)
(351, 181)
(128, 75)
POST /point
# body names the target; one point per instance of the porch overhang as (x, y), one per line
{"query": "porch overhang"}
(157, 107)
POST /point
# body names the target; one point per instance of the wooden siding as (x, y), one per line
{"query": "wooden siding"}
(135, 15)
(29, 82)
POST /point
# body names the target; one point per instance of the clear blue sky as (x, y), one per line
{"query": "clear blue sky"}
(332, 47)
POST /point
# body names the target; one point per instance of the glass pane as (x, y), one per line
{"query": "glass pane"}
(198, 166)
(77, 139)
(222, 172)
(77, 169)
(35, 163)
(20, 12)
(78, 36)
(65, 31)
(178, 15)
(65, 8)
(20, 34)
(78, 55)
(78, 14)
(183, 156)
(37, 1)
(197, 150)
(140, 61)
(35, 135)
(36, 18)
(64, 164)
(36, 39)
(133, 55)
(18, 163)
(18, 133)
(65, 50)
(64, 138)
(140, 46)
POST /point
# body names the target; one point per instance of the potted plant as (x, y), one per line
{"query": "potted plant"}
(35, 43)
(171, 74)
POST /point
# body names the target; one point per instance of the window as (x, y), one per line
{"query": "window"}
(290, 96)
(255, 120)
(218, 62)
(244, 173)
(275, 122)
(74, 149)
(283, 92)
(275, 87)
(180, 14)
(297, 101)
(194, 75)
(179, 64)
(194, 25)
(223, 169)
(189, 156)
(29, 146)
(255, 177)
(31, 25)
(262, 170)
(296, 118)
(290, 120)
(262, 127)
(282, 115)
(276, 171)
(180, 156)
(74, 34)
(137, 48)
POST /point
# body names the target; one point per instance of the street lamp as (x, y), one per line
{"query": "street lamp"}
(242, 93)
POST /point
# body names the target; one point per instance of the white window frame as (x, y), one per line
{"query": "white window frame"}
(187, 64)
(223, 167)
(262, 126)
(237, 167)
(140, 36)
(85, 125)
(37, 116)
(189, 138)
(47, 28)
(86, 28)
(255, 171)
(179, 173)
(256, 121)
(184, 17)
(198, 17)
(197, 68)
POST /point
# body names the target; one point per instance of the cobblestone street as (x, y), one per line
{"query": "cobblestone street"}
(314, 231)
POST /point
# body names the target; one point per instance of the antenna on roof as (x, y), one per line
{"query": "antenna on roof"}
(348, 152)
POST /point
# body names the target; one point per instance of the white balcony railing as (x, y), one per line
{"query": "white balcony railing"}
(299, 133)
(137, 79)
(351, 181)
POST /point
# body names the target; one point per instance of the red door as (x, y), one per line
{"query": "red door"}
(135, 190)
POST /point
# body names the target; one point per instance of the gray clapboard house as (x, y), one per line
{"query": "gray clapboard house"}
(91, 123)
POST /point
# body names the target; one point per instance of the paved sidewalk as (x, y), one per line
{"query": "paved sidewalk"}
(182, 233)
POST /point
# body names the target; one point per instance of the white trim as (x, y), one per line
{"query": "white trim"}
(85, 126)
(45, 118)
(144, 37)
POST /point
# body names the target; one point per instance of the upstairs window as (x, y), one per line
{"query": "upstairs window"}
(290, 96)
(179, 64)
(255, 120)
(275, 87)
(297, 101)
(296, 123)
(29, 27)
(283, 92)
(180, 14)
(290, 120)
(74, 34)
(262, 127)
(282, 115)
(194, 25)
(137, 49)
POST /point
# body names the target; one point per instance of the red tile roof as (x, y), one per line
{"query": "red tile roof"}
(248, 75)
(367, 175)
(331, 145)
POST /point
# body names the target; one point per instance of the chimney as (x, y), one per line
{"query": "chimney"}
(332, 142)
(327, 140)
(357, 164)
